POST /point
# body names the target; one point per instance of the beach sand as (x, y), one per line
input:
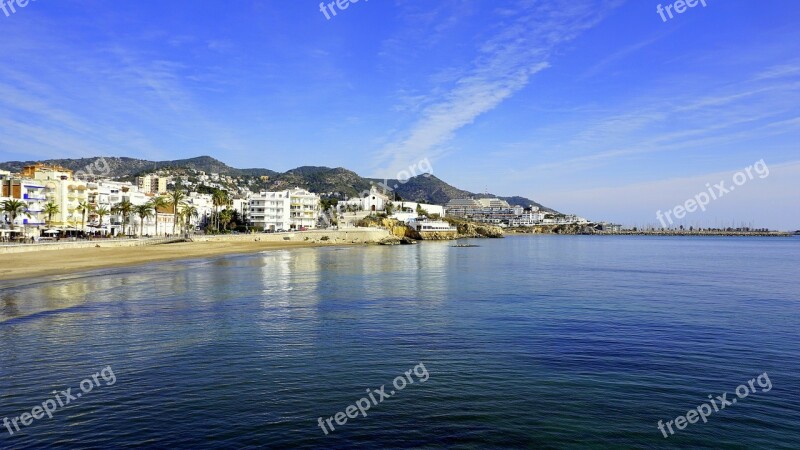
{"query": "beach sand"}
(59, 262)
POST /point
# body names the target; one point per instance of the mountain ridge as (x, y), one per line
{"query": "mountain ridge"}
(426, 188)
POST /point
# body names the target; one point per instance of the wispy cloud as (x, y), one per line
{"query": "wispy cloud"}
(652, 122)
(107, 100)
(503, 66)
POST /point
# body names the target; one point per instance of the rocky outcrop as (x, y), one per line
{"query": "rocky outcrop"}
(431, 235)
(394, 240)
(468, 229)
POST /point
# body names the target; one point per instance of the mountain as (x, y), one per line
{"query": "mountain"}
(324, 180)
(128, 167)
(430, 189)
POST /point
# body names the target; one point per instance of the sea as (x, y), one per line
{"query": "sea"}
(521, 342)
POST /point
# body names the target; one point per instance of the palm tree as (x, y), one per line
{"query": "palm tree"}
(176, 198)
(51, 209)
(101, 212)
(158, 202)
(15, 208)
(225, 218)
(124, 208)
(187, 214)
(143, 211)
(219, 198)
(83, 208)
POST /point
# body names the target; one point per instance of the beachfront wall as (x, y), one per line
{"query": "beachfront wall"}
(65, 245)
(349, 236)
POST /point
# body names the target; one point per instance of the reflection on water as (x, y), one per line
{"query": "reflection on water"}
(247, 351)
(288, 277)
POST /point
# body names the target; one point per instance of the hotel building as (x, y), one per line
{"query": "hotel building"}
(284, 210)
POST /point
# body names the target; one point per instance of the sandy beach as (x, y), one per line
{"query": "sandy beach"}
(59, 262)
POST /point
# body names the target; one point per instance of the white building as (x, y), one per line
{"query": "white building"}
(422, 224)
(528, 218)
(403, 206)
(204, 204)
(106, 194)
(60, 188)
(32, 194)
(374, 201)
(284, 210)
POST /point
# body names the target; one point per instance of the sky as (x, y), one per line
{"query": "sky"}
(599, 108)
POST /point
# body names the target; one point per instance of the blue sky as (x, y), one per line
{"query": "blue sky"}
(593, 107)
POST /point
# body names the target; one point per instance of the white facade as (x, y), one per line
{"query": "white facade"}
(423, 225)
(32, 194)
(493, 203)
(204, 204)
(107, 194)
(374, 201)
(403, 206)
(528, 218)
(284, 210)
(62, 189)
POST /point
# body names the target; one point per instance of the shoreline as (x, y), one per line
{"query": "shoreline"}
(35, 264)
(65, 261)
(676, 233)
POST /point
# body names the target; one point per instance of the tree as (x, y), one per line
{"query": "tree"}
(101, 212)
(328, 203)
(187, 213)
(124, 209)
(143, 211)
(15, 208)
(225, 218)
(51, 209)
(83, 208)
(219, 198)
(176, 200)
(158, 202)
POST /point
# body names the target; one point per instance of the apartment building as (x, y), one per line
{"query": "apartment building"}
(32, 194)
(487, 210)
(60, 187)
(151, 184)
(284, 210)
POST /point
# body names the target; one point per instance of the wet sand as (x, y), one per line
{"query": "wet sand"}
(59, 262)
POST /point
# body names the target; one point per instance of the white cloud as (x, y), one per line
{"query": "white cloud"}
(503, 66)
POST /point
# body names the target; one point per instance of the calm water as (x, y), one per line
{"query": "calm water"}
(527, 341)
